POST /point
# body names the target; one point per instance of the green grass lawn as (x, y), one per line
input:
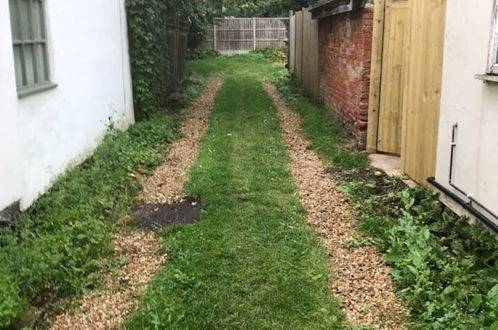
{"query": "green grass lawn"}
(249, 64)
(252, 262)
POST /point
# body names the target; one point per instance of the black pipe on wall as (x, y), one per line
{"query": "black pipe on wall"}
(467, 206)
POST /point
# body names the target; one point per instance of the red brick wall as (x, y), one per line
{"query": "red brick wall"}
(345, 56)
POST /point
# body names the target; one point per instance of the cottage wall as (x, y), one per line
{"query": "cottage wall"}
(43, 134)
(345, 44)
(470, 103)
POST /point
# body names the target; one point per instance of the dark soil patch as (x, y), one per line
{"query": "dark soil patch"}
(376, 183)
(156, 216)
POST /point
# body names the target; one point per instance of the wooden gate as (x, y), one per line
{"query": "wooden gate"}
(422, 97)
(392, 82)
(405, 85)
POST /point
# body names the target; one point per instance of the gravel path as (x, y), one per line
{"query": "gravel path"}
(106, 308)
(362, 277)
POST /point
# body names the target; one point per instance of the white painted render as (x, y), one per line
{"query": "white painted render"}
(469, 102)
(43, 134)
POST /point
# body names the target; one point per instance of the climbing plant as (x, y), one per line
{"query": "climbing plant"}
(148, 36)
(149, 62)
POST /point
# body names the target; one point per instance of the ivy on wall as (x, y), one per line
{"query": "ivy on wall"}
(147, 33)
(148, 37)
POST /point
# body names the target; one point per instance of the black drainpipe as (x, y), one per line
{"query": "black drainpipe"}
(466, 205)
(471, 201)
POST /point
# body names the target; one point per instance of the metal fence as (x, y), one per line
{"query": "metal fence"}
(177, 50)
(241, 35)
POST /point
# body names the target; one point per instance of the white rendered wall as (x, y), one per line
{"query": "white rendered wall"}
(469, 102)
(43, 134)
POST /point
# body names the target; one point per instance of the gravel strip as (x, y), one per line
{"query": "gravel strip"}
(106, 308)
(165, 185)
(362, 278)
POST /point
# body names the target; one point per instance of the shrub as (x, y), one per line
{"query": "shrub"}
(202, 53)
(275, 53)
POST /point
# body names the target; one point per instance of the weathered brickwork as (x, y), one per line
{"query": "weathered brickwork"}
(345, 57)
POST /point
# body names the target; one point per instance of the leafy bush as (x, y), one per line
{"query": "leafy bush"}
(58, 242)
(202, 54)
(275, 53)
(445, 268)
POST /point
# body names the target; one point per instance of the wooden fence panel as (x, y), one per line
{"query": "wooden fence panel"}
(241, 35)
(299, 46)
(423, 88)
(292, 44)
(304, 55)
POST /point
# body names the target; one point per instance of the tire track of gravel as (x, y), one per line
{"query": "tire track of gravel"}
(105, 309)
(361, 277)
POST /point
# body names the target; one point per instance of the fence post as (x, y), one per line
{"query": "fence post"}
(254, 32)
(215, 36)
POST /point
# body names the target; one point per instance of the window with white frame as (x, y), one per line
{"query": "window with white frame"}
(30, 45)
(493, 53)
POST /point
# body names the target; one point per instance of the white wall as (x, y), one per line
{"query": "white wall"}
(469, 102)
(43, 134)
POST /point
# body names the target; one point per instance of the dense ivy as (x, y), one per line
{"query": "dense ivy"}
(147, 21)
(148, 36)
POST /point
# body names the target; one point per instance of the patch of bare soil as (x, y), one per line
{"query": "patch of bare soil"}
(136, 254)
(156, 216)
(362, 278)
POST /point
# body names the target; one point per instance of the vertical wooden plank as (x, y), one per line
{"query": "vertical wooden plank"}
(375, 75)
(423, 89)
(390, 114)
(310, 55)
(299, 45)
(254, 36)
(292, 44)
(215, 36)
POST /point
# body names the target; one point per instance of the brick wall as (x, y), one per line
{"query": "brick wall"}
(345, 44)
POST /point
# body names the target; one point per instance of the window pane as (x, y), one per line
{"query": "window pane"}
(24, 18)
(16, 33)
(18, 63)
(29, 63)
(37, 22)
(41, 60)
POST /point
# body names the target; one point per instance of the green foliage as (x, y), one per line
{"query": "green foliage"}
(202, 54)
(274, 53)
(261, 8)
(321, 128)
(252, 262)
(57, 244)
(445, 268)
(147, 33)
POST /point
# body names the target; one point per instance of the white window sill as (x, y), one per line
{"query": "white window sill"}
(27, 91)
(487, 78)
